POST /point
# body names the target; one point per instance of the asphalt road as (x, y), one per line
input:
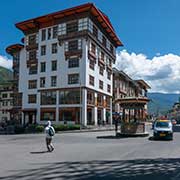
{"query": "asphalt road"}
(84, 156)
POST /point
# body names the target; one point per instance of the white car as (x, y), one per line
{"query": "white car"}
(163, 129)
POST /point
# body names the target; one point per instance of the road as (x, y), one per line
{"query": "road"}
(84, 156)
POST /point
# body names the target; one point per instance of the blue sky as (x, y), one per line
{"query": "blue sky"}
(147, 28)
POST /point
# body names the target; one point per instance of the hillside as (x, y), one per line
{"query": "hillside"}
(5, 74)
(161, 103)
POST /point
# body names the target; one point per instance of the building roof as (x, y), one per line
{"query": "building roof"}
(122, 73)
(142, 82)
(14, 48)
(89, 7)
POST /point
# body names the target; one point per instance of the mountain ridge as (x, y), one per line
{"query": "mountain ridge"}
(161, 102)
(5, 74)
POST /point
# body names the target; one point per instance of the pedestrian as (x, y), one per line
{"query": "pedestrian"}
(116, 125)
(50, 132)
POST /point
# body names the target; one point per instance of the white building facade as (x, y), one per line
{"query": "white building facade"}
(65, 69)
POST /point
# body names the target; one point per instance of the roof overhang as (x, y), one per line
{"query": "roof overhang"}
(14, 48)
(143, 83)
(133, 100)
(35, 23)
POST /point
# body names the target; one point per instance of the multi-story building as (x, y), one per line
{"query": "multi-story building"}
(65, 66)
(15, 51)
(129, 96)
(6, 101)
(174, 113)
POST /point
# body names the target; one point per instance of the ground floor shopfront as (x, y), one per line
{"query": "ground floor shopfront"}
(92, 108)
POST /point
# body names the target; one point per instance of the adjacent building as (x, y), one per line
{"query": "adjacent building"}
(63, 68)
(6, 101)
(129, 97)
(174, 113)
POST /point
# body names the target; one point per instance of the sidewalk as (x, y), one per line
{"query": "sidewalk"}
(99, 128)
(91, 129)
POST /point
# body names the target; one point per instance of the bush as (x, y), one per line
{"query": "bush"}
(39, 128)
(65, 127)
(31, 128)
(19, 129)
(73, 127)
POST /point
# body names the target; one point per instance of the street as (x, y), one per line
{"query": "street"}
(84, 156)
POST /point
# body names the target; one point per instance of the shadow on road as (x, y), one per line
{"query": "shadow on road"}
(138, 169)
(39, 152)
(151, 138)
(110, 137)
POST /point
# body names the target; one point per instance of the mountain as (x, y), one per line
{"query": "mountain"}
(160, 103)
(5, 74)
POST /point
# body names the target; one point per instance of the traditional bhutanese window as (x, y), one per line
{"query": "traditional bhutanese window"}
(73, 78)
(90, 26)
(83, 24)
(43, 35)
(55, 31)
(93, 48)
(54, 48)
(91, 64)
(53, 81)
(100, 84)
(100, 36)
(109, 88)
(62, 29)
(73, 62)
(72, 27)
(73, 45)
(91, 80)
(32, 39)
(31, 98)
(32, 84)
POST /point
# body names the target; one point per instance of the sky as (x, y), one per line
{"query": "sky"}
(149, 31)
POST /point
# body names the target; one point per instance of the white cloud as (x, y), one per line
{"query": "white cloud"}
(162, 72)
(5, 62)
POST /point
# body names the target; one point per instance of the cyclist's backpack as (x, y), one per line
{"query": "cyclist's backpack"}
(51, 132)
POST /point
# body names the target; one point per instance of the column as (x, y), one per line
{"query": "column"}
(38, 113)
(104, 110)
(57, 107)
(23, 118)
(95, 110)
(123, 115)
(129, 114)
(111, 121)
(84, 107)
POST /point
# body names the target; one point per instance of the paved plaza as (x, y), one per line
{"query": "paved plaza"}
(84, 156)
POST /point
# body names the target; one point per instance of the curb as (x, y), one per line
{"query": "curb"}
(84, 130)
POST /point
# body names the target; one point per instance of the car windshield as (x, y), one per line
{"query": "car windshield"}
(162, 124)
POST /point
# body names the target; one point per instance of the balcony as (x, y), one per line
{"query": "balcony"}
(72, 35)
(91, 102)
(101, 62)
(91, 56)
(32, 46)
(31, 61)
(77, 53)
